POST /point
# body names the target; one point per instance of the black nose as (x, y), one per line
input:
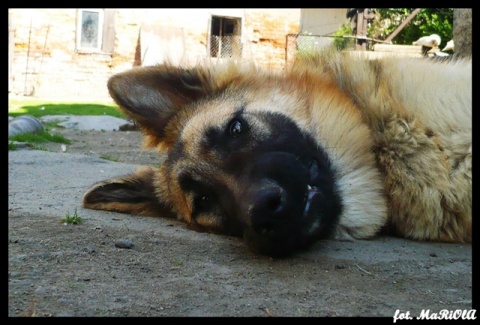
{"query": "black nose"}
(268, 206)
(270, 200)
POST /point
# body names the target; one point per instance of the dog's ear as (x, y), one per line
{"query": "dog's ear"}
(151, 96)
(133, 194)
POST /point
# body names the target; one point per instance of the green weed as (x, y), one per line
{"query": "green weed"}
(74, 220)
(11, 146)
(111, 158)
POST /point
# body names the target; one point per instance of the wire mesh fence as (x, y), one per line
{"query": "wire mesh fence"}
(225, 46)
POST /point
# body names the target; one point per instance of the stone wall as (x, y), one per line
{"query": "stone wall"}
(45, 61)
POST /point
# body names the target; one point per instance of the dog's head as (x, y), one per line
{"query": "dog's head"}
(241, 157)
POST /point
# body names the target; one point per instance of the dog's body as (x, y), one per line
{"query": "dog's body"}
(335, 147)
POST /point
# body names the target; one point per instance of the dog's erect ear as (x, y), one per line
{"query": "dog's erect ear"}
(151, 96)
(133, 194)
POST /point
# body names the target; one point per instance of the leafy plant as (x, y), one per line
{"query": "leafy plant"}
(426, 22)
(340, 42)
(75, 219)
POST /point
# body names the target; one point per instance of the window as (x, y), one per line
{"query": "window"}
(95, 30)
(225, 37)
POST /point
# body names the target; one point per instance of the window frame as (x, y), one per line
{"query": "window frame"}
(85, 49)
(237, 32)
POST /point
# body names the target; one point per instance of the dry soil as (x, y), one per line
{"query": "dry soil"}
(58, 269)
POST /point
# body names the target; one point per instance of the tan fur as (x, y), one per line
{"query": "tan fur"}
(398, 132)
(420, 113)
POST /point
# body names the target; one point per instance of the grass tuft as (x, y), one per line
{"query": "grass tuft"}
(40, 137)
(111, 158)
(11, 146)
(38, 109)
(74, 220)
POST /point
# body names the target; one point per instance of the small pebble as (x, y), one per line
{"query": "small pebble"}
(124, 243)
(40, 291)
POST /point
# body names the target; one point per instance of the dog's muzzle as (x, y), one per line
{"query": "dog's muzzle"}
(280, 203)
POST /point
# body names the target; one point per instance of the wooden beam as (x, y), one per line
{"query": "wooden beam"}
(402, 25)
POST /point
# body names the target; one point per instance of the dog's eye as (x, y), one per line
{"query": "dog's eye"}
(235, 127)
(202, 203)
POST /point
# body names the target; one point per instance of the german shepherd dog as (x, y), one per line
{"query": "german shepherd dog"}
(337, 146)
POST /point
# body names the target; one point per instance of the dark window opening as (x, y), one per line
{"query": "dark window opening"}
(225, 37)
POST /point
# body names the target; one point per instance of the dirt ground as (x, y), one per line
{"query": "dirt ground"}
(119, 146)
(119, 265)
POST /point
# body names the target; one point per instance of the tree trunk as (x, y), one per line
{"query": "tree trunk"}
(462, 32)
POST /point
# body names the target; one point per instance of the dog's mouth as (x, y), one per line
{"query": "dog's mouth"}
(321, 204)
(312, 192)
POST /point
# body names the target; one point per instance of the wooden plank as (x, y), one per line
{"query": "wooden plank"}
(381, 54)
(108, 42)
(397, 48)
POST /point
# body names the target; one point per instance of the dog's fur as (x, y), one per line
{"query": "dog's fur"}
(337, 146)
